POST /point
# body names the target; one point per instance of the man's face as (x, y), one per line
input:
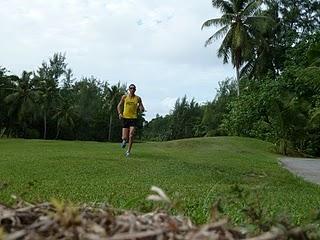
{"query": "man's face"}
(132, 89)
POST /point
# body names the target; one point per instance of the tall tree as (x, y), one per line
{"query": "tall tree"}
(89, 101)
(241, 21)
(66, 113)
(215, 111)
(6, 84)
(112, 97)
(47, 81)
(22, 100)
(186, 116)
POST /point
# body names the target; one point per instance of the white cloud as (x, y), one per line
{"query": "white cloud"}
(156, 44)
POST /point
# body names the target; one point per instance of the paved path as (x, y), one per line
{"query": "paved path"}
(307, 168)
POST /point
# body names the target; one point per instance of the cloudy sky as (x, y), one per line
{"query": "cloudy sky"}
(158, 45)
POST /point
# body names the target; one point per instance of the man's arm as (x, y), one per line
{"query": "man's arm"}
(119, 106)
(141, 107)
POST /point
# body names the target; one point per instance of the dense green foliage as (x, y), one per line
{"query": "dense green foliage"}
(283, 110)
(193, 172)
(183, 122)
(274, 46)
(279, 82)
(51, 104)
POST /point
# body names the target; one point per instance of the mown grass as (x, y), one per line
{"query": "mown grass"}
(194, 172)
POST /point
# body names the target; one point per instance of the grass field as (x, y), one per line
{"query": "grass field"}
(194, 172)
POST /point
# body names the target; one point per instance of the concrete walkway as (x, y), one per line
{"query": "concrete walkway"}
(308, 168)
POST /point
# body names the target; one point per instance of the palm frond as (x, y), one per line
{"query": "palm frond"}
(238, 5)
(224, 53)
(221, 32)
(223, 5)
(225, 47)
(209, 41)
(217, 3)
(247, 69)
(217, 35)
(252, 8)
(213, 22)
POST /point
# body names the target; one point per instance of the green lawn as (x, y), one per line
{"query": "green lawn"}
(195, 171)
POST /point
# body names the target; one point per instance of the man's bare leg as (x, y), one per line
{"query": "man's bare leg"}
(125, 134)
(125, 137)
(131, 135)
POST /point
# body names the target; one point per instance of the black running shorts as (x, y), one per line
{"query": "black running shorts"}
(128, 122)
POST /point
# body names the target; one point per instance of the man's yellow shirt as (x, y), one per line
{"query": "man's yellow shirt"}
(131, 105)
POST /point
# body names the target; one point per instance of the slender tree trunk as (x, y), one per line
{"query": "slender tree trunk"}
(237, 64)
(45, 125)
(58, 131)
(110, 127)
(24, 130)
(3, 130)
(238, 79)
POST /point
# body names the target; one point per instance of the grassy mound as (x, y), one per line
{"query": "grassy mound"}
(195, 172)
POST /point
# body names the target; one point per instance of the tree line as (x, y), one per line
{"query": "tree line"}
(275, 48)
(50, 103)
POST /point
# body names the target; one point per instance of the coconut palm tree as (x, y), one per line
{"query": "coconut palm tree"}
(48, 90)
(22, 99)
(47, 80)
(112, 97)
(6, 86)
(241, 21)
(66, 114)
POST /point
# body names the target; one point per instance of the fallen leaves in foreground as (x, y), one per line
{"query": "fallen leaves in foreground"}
(58, 220)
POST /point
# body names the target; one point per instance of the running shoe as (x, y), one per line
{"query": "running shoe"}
(123, 144)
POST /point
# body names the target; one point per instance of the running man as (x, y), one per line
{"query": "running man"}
(131, 103)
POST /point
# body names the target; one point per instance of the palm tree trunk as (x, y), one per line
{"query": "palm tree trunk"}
(3, 130)
(24, 130)
(110, 127)
(238, 80)
(58, 130)
(45, 125)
